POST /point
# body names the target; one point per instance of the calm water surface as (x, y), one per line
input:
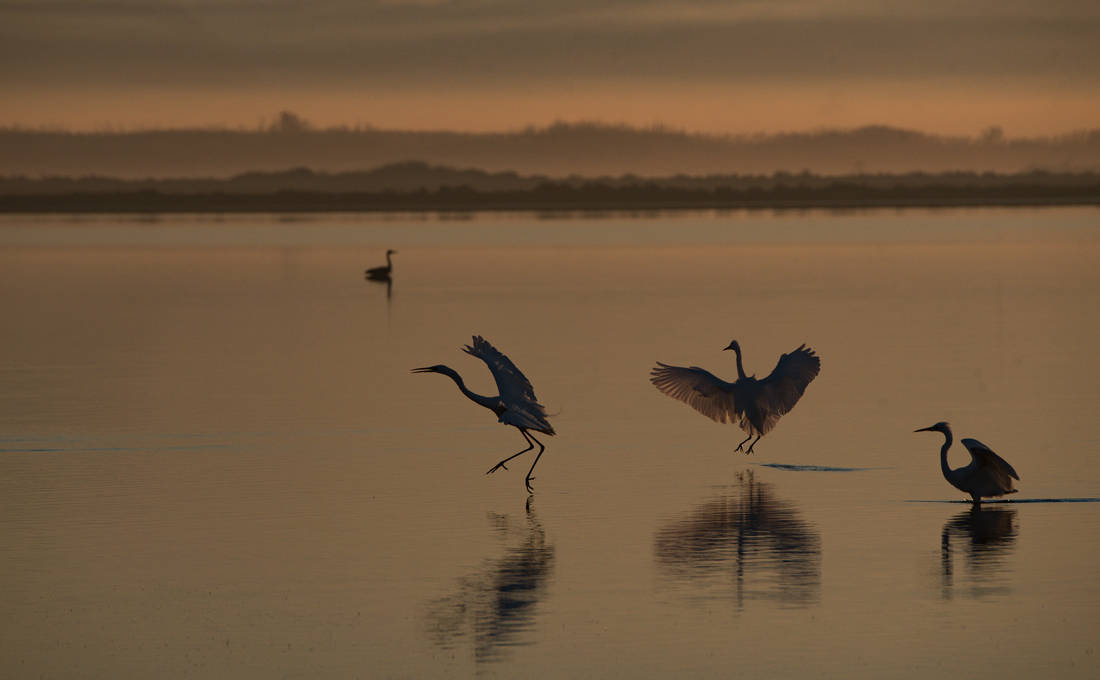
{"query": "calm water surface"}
(214, 461)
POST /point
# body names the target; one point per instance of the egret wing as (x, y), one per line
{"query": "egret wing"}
(698, 388)
(988, 459)
(781, 390)
(523, 408)
(528, 419)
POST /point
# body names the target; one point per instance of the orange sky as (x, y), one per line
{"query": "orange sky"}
(702, 65)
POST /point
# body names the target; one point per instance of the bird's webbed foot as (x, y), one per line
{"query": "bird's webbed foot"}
(498, 466)
(527, 483)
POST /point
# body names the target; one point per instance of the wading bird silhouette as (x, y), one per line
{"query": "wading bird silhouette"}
(516, 404)
(987, 475)
(755, 404)
(381, 273)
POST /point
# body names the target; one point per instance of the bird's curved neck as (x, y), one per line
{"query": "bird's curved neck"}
(943, 455)
(389, 264)
(740, 368)
(487, 402)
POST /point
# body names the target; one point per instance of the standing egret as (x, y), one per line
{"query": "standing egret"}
(987, 475)
(382, 273)
(757, 404)
(516, 404)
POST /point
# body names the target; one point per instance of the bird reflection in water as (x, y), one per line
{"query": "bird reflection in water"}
(387, 282)
(751, 536)
(495, 606)
(988, 536)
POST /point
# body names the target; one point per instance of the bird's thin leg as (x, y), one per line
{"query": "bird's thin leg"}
(501, 464)
(527, 480)
(749, 450)
(743, 442)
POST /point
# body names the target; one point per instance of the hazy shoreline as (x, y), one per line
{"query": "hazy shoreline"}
(414, 186)
(326, 204)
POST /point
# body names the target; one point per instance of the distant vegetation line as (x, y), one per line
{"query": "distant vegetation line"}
(418, 186)
(558, 150)
(420, 176)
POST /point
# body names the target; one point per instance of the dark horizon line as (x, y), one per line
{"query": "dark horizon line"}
(557, 197)
(473, 173)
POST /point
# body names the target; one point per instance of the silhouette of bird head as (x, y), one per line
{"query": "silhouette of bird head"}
(942, 426)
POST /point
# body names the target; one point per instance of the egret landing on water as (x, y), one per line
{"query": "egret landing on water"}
(755, 404)
(987, 475)
(382, 273)
(516, 404)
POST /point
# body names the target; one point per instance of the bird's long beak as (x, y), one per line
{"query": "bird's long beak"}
(924, 429)
(425, 369)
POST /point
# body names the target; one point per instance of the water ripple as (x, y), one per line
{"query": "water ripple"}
(816, 468)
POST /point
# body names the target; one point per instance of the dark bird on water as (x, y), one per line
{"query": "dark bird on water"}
(987, 474)
(755, 405)
(516, 404)
(381, 273)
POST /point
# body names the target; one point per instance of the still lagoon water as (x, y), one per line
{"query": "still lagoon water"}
(214, 461)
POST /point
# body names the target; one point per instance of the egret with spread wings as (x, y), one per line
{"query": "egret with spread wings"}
(516, 404)
(755, 405)
(987, 475)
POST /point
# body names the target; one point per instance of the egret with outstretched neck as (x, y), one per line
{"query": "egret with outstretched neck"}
(987, 474)
(756, 405)
(382, 273)
(516, 404)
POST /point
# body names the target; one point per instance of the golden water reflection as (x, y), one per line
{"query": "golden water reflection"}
(986, 537)
(751, 538)
(495, 606)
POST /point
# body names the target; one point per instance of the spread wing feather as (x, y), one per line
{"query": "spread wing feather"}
(698, 388)
(523, 408)
(987, 459)
(781, 390)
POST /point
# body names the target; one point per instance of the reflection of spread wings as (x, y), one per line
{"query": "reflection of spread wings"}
(702, 390)
(781, 390)
(990, 461)
(523, 408)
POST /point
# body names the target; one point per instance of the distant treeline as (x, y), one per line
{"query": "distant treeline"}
(558, 150)
(418, 186)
